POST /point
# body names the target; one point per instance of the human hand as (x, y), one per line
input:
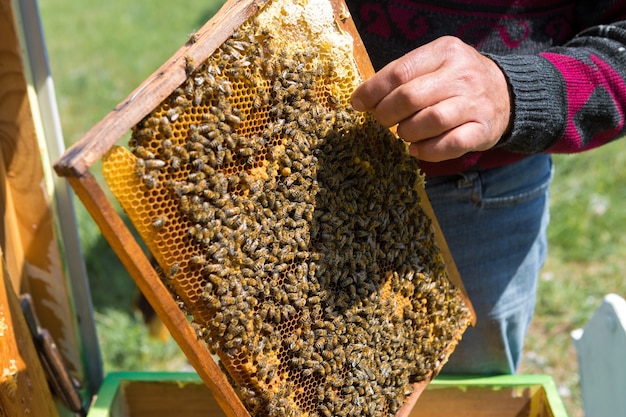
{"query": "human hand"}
(446, 98)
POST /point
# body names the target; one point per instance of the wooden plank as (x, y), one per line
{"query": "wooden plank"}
(101, 137)
(23, 387)
(18, 147)
(138, 265)
(474, 402)
(27, 232)
(162, 399)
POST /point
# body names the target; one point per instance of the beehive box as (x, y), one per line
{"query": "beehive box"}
(136, 394)
(292, 236)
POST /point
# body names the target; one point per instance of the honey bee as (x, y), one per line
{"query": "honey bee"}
(198, 96)
(269, 67)
(315, 299)
(9, 378)
(198, 163)
(150, 181)
(257, 102)
(219, 157)
(192, 38)
(140, 167)
(182, 101)
(143, 153)
(225, 87)
(228, 156)
(182, 153)
(189, 64)
(175, 268)
(324, 411)
(236, 329)
(166, 144)
(159, 222)
(173, 114)
(154, 164)
(233, 119)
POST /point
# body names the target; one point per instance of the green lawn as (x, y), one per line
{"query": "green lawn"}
(101, 50)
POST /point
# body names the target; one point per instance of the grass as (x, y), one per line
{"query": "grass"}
(586, 261)
(109, 48)
(101, 50)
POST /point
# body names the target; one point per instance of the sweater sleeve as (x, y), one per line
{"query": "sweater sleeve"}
(570, 98)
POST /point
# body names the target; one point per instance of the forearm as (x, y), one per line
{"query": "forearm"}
(570, 98)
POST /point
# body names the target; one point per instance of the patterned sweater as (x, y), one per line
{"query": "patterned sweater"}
(565, 62)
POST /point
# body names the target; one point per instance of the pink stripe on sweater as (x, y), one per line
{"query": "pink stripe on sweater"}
(581, 81)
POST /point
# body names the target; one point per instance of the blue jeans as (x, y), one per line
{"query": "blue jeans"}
(494, 222)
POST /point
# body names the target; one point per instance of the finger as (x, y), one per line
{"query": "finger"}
(434, 120)
(417, 62)
(451, 144)
(370, 92)
(409, 100)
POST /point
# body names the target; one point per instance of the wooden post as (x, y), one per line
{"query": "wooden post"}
(24, 391)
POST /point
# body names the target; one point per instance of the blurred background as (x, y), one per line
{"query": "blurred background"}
(100, 50)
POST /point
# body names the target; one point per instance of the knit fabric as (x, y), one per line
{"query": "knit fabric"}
(565, 63)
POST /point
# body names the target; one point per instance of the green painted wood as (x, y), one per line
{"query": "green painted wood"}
(545, 381)
(110, 386)
(108, 402)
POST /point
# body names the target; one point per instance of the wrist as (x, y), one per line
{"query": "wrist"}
(537, 101)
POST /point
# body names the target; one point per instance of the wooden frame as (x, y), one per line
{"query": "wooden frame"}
(76, 162)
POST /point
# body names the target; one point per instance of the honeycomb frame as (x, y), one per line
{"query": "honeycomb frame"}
(143, 174)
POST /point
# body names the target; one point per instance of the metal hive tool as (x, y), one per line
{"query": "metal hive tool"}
(292, 234)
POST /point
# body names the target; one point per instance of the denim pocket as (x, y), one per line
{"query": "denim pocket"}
(516, 183)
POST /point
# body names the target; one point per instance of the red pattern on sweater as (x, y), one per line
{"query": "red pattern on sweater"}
(582, 79)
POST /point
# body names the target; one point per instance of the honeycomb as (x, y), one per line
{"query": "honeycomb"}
(288, 226)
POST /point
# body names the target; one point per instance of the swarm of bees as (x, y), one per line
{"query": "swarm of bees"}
(289, 227)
